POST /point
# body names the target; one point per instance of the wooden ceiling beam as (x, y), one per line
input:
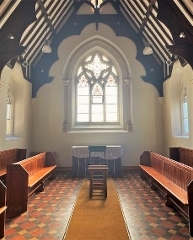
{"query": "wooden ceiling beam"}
(149, 10)
(46, 16)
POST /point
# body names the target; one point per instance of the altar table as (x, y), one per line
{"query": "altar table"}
(80, 159)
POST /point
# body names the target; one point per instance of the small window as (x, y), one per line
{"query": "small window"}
(185, 123)
(9, 114)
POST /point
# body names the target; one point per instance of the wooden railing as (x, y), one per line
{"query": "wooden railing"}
(173, 179)
(26, 177)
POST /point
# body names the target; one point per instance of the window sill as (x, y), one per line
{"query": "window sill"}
(11, 138)
(97, 131)
(181, 136)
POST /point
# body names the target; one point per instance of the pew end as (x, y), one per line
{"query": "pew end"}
(3, 207)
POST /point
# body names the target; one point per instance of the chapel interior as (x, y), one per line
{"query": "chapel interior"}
(114, 76)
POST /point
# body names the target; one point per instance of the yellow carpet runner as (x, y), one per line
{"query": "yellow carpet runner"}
(97, 218)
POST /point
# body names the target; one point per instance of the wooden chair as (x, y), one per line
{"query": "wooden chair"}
(98, 180)
(96, 149)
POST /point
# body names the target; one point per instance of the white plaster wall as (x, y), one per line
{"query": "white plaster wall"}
(22, 113)
(171, 139)
(48, 109)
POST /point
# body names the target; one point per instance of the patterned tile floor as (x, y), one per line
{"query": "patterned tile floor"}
(145, 214)
(48, 212)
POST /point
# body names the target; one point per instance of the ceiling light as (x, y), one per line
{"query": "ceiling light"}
(147, 51)
(10, 36)
(46, 47)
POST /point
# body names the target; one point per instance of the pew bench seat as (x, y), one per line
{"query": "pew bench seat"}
(3, 172)
(169, 186)
(172, 179)
(41, 174)
(26, 177)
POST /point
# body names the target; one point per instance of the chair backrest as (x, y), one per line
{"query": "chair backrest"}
(97, 149)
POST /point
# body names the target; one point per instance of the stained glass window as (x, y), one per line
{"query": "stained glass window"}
(97, 90)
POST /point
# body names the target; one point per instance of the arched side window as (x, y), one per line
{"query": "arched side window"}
(10, 111)
(97, 91)
(184, 111)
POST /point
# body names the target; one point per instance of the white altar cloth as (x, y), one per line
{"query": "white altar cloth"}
(112, 152)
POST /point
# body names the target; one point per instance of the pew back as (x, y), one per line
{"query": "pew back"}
(183, 155)
(34, 164)
(10, 156)
(178, 173)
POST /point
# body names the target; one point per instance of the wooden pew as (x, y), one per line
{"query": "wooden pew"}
(183, 155)
(10, 156)
(3, 207)
(173, 179)
(25, 178)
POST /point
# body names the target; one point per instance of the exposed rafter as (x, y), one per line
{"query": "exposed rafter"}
(166, 25)
(149, 10)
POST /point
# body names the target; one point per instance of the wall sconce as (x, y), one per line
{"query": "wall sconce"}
(147, 50)
(46, 47)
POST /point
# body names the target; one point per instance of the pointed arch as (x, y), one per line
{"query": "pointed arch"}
(99, 59)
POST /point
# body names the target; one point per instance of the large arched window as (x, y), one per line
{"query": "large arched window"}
(97, 90)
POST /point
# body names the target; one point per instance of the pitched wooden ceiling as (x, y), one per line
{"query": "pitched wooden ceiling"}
(166, 25)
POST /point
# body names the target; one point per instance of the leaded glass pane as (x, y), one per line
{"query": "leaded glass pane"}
(79, 71)
(8, 111)
(83, 91)
(83, 108)
(97, 117)
(83, 118)
(83, 100)
(111, 91)
(111, 82)
(105, 58)
(83, 82)
(111, 100)
(96, 66)
(111, 108)
(185, 108)
(111, 117)
(97, 90)
(97, 108)
(186, 127)
(114, 70)
(97, 99)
